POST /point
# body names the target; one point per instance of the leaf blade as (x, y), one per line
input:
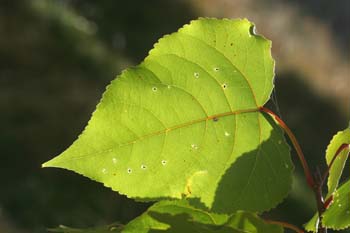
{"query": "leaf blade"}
(191, 109)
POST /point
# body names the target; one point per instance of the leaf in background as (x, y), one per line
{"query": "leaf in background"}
(342, 137)
(112, 228)
(186, 123)
(179, 216)
(337, 216)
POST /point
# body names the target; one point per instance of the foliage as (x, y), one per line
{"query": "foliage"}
(188, 125)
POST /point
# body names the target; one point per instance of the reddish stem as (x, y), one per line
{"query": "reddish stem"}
(285, 225)
(340, 149)
(328, 201)
(309, 177)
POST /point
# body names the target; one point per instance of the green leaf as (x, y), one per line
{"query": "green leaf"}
(186, 123)
(342, 137)
(179, 216)
(337, 216)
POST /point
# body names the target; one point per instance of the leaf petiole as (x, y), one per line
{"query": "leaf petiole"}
(309, 177)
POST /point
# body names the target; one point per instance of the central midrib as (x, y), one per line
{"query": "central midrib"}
(166, 130)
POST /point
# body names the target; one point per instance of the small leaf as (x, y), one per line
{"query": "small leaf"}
(342, 137)
(186, 123)
(337, 216)
(179, 216)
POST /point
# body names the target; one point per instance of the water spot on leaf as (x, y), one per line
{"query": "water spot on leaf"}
(280, 142)
(227, 134)
(286, 165)
(196, 74)
(104, 170)
(194, 146)
(169, 86)
(114, 160)
(339, 205)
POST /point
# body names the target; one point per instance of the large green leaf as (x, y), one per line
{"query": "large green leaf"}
(342, 137)
(179, 216)
(186, 123)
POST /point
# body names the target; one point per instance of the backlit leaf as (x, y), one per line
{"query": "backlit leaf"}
(186, 123)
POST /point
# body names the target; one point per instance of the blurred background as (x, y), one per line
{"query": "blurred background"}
(57, 56)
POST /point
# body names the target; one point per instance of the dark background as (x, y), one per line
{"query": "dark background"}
(57, 56)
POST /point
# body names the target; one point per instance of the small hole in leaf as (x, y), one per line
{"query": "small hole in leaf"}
(164, 162)
(154, 89)
(196, 75)
(224, 86)
(215, 119)
(216, 69)
(143, 166)
(129, 170)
